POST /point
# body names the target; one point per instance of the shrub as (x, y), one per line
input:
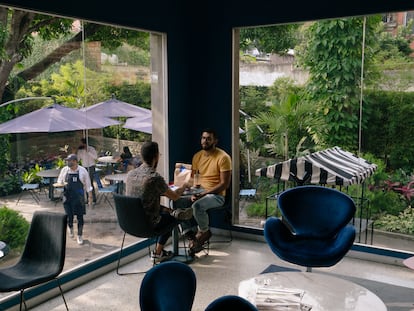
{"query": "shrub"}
(9, 184)
(13, 228)
(403, 223)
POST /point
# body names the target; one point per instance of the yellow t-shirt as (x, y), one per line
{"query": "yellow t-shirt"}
(210, 166)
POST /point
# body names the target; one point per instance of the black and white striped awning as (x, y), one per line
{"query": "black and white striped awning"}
(327, 167)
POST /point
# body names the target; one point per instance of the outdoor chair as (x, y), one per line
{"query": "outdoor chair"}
(315, 229)
(43, 256)
(231, 302)
(132, 220)
(104, 192)
(168, 286)
(249, 193)
(32, 189)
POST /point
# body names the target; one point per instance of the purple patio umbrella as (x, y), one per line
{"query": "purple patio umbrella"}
(114, 108)
(55, 118)
(141, 124)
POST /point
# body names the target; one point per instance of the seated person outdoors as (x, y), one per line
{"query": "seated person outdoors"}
(214, 167)
(146, 183)
(125, 157)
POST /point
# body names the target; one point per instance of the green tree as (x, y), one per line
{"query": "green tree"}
(20, 33)
(392, 64)
(332, 54)
(18, 29)
(68, 85)
(270, 39)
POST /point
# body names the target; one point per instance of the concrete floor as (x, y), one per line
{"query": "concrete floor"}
(218, 274)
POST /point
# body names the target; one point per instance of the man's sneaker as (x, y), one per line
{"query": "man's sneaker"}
(71, 233)
(182, 213)
(165, 255)
(80, 240)
(190, 235)
(197, 244)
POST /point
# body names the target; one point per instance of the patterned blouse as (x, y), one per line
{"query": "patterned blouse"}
(146, 183)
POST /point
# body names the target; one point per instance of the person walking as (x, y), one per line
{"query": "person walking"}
(88, 156)
(76, 183)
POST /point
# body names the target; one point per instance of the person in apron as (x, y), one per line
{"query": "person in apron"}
(77, 182)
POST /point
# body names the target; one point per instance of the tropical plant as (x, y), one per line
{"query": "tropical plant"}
(30, 176)
(287, 124)
(60, 163)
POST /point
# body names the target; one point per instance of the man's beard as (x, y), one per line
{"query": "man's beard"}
(208, 147)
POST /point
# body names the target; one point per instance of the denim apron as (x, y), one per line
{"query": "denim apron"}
(74, 196)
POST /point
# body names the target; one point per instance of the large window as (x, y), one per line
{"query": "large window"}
(78, 64)
(308, 87)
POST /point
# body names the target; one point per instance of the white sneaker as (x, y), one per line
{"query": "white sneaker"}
(80, 240)
(71, 233)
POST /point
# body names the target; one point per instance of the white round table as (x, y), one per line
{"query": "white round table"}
(117, 177)
(108, 159)
(321, 292)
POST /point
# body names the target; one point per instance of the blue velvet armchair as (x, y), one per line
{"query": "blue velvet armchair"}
(315, 229)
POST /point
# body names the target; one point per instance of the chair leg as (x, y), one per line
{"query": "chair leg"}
(119, 260)
(108, 201)
(61, 293)
(22, 300)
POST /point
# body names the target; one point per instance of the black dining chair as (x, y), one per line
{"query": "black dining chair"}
(169, 286)
(43, 256)
(132, 220)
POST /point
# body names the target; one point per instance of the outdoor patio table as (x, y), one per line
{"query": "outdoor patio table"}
(118, 178)
(51, 175)
(109, 162)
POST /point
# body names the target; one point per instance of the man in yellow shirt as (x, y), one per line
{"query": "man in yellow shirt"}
(214, 168)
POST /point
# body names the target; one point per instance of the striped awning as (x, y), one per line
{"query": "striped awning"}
(327, 167)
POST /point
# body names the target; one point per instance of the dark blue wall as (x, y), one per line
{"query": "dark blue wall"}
(199, 35)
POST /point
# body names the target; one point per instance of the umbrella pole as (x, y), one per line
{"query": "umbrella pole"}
(119, 139)
(248, 167)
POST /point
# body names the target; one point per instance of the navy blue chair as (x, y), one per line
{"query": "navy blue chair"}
(231, 302)
(168, 286)
(315, 229)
